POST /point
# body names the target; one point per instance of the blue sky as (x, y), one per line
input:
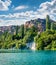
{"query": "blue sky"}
(17, 12)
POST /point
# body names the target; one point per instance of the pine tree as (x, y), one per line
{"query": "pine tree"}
(52, 26)
(16, 30)
(47, 23)
(22, 31)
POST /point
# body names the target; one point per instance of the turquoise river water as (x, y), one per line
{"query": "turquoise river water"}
(28, 58)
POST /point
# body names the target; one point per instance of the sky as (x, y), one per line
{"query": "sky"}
(17, 12)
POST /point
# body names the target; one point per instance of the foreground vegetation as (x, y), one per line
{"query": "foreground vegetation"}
(46, 41)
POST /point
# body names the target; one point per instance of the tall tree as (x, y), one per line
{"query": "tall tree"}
(47, 22)
(52, 26)
(16, 30)
(21, 31)
(55, 26)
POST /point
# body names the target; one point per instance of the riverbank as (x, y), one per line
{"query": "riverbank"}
(14, 50)
(20, 51)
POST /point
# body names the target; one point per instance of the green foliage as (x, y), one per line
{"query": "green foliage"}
(16, 30)
(52, 26)
(15, 37)
(53, 45)
(18, 40)
(47, 23)
(21, 31)
(36, 38)
(47, 40)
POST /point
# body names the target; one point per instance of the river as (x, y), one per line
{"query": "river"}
(28, 58)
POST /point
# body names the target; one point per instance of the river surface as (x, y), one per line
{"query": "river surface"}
(28, 58)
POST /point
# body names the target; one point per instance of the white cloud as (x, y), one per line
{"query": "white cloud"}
(21, 7)
(4, 5)
(48, 8)
(11, 22)
(44, 9)
(19, 18)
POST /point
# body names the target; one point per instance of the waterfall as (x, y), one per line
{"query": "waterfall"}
(31, 45)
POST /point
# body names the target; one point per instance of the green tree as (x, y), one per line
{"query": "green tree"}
(21, 31)
(16, 30)
(55, 26)
(46, 40)
(52, 26)
(47, 23)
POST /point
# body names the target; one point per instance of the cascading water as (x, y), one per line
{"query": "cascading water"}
(31, 45)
